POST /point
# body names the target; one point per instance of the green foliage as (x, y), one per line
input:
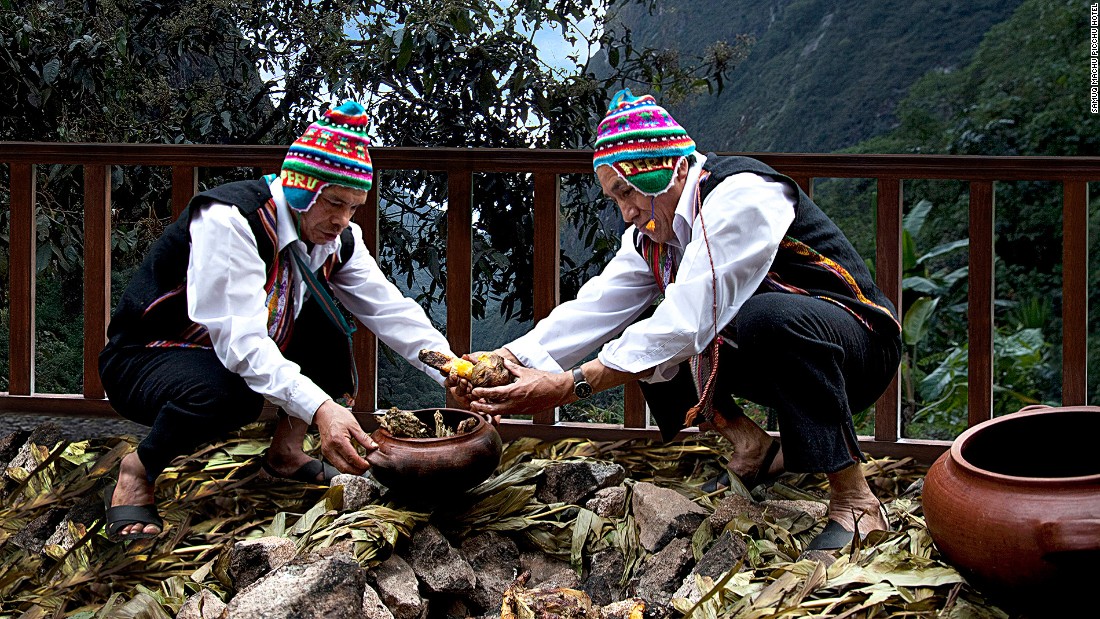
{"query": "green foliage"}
(821, 75)
(458, 73)
(1020, 363)
(1024, 93)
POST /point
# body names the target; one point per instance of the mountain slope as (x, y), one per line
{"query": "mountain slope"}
(823, 74)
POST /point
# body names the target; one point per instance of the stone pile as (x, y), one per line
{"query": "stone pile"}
(437, 576)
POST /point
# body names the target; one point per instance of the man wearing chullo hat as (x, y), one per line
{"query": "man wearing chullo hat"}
(233, 306)
(763, 299)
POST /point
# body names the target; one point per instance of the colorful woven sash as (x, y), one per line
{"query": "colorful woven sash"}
(335, 316)
(704, 366)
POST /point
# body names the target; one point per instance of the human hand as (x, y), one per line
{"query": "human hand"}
(533, 390)
(340, 432)
(460, 389)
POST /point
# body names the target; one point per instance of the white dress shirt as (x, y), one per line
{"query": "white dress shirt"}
(746, 218)
(225, 293)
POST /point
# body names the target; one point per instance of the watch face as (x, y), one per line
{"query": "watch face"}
(582, 390)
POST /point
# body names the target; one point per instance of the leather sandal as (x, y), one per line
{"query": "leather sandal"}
(835, 536)
(121, 516)
(307, 473)
(762, 475)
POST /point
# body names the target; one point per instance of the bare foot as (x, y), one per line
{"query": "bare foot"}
(285, 456)
(852, 503)
(750, 444)
(133, 489)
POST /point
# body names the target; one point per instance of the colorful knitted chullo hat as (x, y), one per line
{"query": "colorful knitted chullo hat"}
(333, 151)
(641, 142)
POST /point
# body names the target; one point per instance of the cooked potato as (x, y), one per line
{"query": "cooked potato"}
(489, 371)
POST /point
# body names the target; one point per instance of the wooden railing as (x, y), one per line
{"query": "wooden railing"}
(890, 171)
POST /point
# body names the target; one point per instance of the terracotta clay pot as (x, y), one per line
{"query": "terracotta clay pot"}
(426, 468)
(1015, 503)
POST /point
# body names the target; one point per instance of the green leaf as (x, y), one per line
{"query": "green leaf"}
(921, 284)
(587, 523)
(913, 222)
(405, 54)
(915, 324)
(51, 71)
(946, 248)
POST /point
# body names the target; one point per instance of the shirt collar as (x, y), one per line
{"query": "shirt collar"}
(285, 228)
(685, 208)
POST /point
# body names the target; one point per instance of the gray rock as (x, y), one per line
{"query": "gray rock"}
(815, 509)
(88, 509)
(821, 556)
(308, 587)
(608, 502)
(661, 574)
(358, 491)
(722, 556)
(251, 559)
(398, 588)
(604, 573)
(620, 609)
(34, 534)
(546, 571)
(45, 436)
(440, 568)
(202, 605)
(662, 514)
(10, 444)
(373, 608)
(495, 559)
(73, 427)
(689, 590)
(571, 482)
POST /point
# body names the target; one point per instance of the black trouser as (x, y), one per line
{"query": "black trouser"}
(808, 359)
(188, 398)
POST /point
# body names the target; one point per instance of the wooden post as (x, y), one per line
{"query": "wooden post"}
(980, 304)
(365, 342)
(185, 184)
(1075, 292)
(547, 258)
(806, 183)
(21, 272)
(459, 263)
(97, 272)
(888, 277)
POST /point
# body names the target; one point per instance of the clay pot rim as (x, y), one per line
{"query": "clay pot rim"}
(1029, 411)
(432, 440)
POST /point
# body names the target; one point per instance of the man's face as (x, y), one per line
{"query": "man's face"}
(636, 207)
(331, 213)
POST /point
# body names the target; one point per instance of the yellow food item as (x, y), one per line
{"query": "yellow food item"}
(488, 371)
(459, 366)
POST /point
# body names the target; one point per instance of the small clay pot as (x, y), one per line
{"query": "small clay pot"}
(1015, 503)
(427, 468)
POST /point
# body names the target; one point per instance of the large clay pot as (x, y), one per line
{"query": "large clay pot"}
(429, 468)
(1015, 503)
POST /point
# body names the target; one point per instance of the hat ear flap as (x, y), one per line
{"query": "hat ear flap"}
(300, 199)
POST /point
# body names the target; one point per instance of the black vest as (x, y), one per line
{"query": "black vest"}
(161, 278)
(814, 258)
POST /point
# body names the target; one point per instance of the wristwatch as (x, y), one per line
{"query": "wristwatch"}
(581, 388)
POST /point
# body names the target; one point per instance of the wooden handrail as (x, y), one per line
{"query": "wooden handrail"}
(547, 166)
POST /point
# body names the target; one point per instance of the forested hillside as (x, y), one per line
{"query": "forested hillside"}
(1024, 93)
(823, 74)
